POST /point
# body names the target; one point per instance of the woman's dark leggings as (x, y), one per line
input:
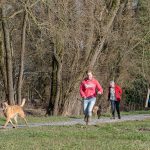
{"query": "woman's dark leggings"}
(115, 105)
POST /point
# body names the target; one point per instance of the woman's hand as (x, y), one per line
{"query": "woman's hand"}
(99, 93)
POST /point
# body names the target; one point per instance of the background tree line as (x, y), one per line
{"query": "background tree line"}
(47, 45)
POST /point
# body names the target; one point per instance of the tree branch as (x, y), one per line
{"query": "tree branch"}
(22, 10)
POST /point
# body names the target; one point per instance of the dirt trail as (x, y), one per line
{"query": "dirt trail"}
(93, 122)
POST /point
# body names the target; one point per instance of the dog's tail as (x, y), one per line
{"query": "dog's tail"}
(23, 102)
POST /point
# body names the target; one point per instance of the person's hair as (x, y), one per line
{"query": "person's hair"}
(112, 81)
(89, 70)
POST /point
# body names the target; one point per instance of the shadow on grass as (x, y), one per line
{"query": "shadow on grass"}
(76, 117)
(144, 129)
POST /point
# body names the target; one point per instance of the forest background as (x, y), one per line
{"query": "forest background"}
(47, 45)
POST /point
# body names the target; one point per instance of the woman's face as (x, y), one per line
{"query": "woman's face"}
(90, 75)
(112, 84)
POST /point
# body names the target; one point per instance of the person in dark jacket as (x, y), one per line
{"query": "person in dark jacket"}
(114, 96)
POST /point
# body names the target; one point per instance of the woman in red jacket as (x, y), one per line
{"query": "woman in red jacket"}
(89, 88)
(114, 95)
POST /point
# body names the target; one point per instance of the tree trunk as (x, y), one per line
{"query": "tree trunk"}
(8, 56)
(2, 64)
(91, 59)
(100, 45)
(20, 79)
(58, 87)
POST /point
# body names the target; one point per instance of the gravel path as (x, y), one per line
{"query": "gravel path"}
(93, 122)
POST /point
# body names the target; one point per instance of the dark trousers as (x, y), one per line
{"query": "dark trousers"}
(115, 105)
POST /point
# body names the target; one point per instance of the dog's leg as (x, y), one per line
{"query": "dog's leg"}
(8, 120)
(15, 118)
(98, 113)
(12, 124)
(26, 122)
(22, 115)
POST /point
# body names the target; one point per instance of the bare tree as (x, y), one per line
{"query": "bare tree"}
(8, 55)
(20, 78)
(60, 40)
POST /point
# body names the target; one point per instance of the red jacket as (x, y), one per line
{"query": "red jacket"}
(88, 88)
(118, 92)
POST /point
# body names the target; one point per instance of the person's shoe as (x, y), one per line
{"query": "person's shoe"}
(85, 118)
(88, 120)
(87, 123)
(119, 117)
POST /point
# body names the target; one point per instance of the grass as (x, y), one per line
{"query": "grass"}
(122, 113)
(129, 135)
(47, 119)
(128, 113)
(34, 119)
(136, 112)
